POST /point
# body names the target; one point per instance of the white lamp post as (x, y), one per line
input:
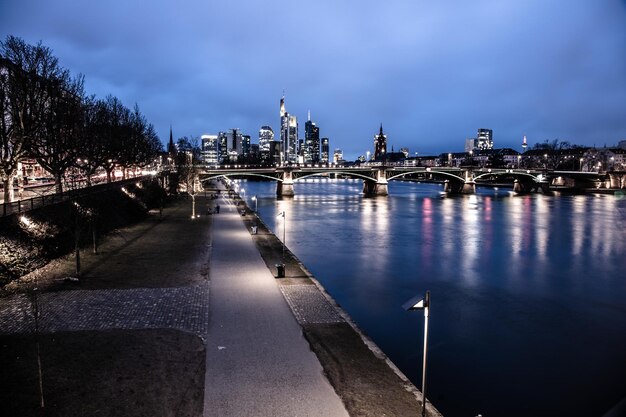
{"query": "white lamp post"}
(418, 303)
(282, 214)
(255, 203)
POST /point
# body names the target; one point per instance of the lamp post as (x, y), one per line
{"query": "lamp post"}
(580, 164)
(280, 268)
(282, 214)
(418, 303)
(255, 203)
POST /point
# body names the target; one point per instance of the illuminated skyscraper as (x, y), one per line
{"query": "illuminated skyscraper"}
(325, 151)
(210, 149)
(288, 134)
(266, 135)
(311, 142)
(484, 139)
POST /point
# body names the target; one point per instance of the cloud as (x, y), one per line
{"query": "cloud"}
(432, 72)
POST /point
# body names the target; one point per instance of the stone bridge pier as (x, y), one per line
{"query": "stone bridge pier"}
(461, 186)
(617, 180)
(284, 188)
(377, 186)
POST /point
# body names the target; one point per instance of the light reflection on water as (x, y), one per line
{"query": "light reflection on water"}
(528, 291)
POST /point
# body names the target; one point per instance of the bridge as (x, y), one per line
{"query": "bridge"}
(456, 180)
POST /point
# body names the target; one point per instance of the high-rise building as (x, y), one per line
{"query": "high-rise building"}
(337, 156)
(222, 147)
(311, 142)
(210, 149)
(245, 147)
(380, 144)
(288, 134)
(325, 151)
(292, 140)
(484, 139)
(266, 135)
(275, 153)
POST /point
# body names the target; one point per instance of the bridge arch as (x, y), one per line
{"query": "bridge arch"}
(422, 171)
(512, 174)
(241, 174)
(346, 173)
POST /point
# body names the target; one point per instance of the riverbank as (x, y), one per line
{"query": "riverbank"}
(129, 338)
(366, 380)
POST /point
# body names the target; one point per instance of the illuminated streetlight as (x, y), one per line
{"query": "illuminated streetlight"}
(280, 269)
(418, 303)
(255, 203)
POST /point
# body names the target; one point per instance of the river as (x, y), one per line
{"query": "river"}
(528, 309)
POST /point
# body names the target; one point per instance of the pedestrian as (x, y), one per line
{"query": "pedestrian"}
(217, 208)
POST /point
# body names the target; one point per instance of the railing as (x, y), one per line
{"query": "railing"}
(24, 205)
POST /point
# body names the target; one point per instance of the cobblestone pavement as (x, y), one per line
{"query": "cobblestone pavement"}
(309, 305)
(182, 308)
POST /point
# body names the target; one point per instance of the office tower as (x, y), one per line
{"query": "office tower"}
(380, 144)
(210, 149)
(266, 135)
(245, 147)
(222, 147)
(275, 158)
(311, 142)
(288, 134)
(484, 139)
(325, 151)
(337, 155)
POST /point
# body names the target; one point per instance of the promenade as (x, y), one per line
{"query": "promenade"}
(258, 362)
(181, 317)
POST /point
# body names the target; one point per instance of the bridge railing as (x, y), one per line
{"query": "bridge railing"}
(24, 205)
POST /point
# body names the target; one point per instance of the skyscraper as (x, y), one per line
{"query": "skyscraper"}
(484, 139)
(380, 144)
(210, 148)
(325, 151)
(266, 135)
(311, 142)
(288, 134)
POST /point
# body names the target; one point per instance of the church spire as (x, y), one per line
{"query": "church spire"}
(381, 128)
(171, 149)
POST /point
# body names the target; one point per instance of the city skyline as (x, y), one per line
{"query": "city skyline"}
(432, 74)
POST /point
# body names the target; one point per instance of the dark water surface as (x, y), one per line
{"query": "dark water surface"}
(528, 313)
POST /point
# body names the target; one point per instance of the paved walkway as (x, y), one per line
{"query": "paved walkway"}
(182, 308)
(258, 363)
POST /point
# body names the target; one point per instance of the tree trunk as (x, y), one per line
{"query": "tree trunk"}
(59, 182)
(7, 184)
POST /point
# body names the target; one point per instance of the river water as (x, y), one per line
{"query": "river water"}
(528, 309)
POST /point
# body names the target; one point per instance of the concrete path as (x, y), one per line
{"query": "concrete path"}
(258, 363)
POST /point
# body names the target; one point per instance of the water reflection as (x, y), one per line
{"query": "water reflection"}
(523, 286)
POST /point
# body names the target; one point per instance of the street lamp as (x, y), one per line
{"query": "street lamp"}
(418, 303)
(581, 164)
(280, 269)
(255, 203)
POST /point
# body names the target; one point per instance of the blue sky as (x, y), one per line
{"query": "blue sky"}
(431, 72)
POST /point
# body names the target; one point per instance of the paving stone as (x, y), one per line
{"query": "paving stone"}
(309, 305)
(182, 308)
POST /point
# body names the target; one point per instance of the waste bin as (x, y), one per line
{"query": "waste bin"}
(280, 270)
(254, 230)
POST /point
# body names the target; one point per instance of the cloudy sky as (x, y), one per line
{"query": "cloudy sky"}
(432, 72)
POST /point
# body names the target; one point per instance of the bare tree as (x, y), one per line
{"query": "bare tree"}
(56, 147)
(25, 74)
